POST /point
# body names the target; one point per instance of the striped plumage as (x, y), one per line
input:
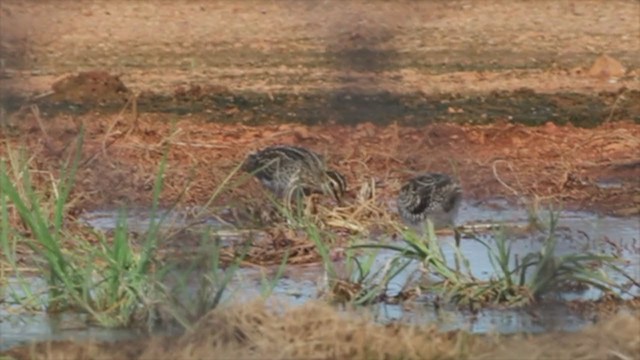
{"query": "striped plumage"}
(286, 169)
(431, 195)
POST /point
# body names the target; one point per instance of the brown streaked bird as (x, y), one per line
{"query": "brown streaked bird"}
(433, 196)
(290, 171)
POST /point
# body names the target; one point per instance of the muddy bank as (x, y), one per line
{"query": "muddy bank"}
(581, 169)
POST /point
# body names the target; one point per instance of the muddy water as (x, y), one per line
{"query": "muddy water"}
(577, 232)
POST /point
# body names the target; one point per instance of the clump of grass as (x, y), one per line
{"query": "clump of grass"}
(359, 283)
(515, 281)
(108, 281)
(543, 272)
(125, 290)
(44, 221)
(104, 276)
(428, 252)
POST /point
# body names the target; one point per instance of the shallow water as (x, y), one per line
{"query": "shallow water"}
(576, 232)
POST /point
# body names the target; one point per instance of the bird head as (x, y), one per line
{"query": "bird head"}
(336, 184)
(251, 163)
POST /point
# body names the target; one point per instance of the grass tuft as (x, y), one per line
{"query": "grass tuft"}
(103, 275)
(515, 282)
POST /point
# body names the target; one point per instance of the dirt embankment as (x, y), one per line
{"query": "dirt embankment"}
(363, 82)
(594, 168)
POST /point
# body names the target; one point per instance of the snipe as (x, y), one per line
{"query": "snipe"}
(431, 196)
(292, 170)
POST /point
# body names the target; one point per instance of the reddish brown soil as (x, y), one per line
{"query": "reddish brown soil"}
(121, 157)
(428, 46)
(453, 49)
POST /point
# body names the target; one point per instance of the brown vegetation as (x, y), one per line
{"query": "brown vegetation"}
(565, 165)
(316, 331)
(121, 155)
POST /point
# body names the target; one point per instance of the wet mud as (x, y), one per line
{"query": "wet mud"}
(523, 106)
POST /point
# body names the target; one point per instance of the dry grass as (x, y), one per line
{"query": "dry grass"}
(317, 331)
(561, 162)
(548, 163)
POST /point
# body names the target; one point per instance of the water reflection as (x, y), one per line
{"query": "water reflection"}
(577, 232)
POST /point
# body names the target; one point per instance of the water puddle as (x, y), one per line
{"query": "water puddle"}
(577, 232)
(139, 220)
(18, 326)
